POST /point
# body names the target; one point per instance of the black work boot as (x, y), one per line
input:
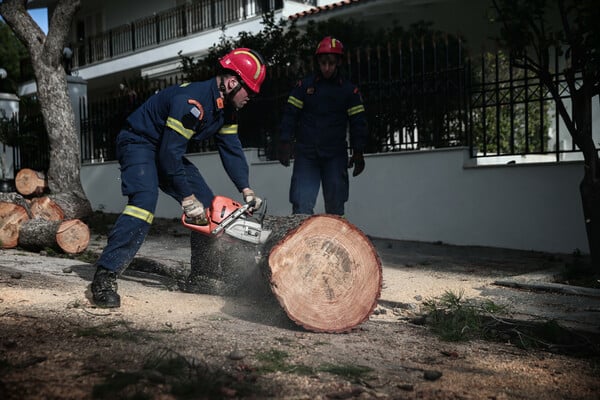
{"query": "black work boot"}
(104, 289)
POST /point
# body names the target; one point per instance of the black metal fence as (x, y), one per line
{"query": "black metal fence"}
(416, 97)
(167, 25)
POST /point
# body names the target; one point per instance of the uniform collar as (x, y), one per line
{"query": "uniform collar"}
(218, 101)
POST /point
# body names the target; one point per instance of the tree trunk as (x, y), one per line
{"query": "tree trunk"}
(71, 237)
(29, 182)
(59, 119)
(590, 198)
(12, 217)
(323, 271)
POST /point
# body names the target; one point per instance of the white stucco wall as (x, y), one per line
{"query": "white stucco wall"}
(424, 196)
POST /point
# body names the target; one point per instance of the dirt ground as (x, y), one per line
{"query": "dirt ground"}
(166, 344)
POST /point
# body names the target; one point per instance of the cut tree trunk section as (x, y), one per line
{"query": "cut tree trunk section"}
(45, 208)
(12, 217)
(324, 272)
(29, 182)
(71, 236)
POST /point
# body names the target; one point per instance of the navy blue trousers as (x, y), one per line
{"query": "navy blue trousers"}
(312, 170)
(140, 182)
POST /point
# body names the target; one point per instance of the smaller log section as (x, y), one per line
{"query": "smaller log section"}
(12, 217)
(71, 236)
(30, 183)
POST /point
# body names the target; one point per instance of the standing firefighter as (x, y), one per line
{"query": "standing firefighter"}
(317, 115)
(151, 148)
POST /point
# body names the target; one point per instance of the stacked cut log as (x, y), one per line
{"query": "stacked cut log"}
(34, 219)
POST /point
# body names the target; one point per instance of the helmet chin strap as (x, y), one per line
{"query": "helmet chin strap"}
(229, 96)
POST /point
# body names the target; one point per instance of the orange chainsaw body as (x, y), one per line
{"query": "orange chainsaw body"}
(220, 209)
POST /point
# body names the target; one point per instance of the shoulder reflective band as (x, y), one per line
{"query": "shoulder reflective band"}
(139, 213)
(229, 129)
(184, 84)
(179, 128)
(355, 110)
(296, 102)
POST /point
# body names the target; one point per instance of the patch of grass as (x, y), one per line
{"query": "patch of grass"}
(276, 361)
(453, 318)
(273, 360)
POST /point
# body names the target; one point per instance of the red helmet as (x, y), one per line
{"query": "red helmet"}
(330, 45)
(248, 64)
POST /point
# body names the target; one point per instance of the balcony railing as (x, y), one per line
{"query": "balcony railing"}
(167, 26)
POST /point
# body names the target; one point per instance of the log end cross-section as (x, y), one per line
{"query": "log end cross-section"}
(326, 274)
(11, 218)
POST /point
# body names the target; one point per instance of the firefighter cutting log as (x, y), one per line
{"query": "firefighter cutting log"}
(151, 148)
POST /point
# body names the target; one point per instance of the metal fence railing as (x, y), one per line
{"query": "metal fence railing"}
(415, 98)
(167, 25)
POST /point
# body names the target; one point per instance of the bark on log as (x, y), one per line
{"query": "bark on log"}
(71, 236)
(72, 204)
(12, 217)
(29, 182)
(324, 272)
(16, 198)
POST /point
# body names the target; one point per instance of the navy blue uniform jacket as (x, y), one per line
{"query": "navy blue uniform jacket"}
(318, 112)
(190, 111)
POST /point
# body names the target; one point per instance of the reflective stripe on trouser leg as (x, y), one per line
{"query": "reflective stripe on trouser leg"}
(125, 239)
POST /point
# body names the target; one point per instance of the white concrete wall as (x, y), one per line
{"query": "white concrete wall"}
(424, 196)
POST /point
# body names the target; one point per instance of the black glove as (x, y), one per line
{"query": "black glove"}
(358, 162)
(284, 153)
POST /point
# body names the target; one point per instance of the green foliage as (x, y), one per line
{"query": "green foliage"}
(455, 319)
(12, 52)
(515, 120)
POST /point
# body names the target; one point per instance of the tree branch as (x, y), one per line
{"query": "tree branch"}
(16, 16)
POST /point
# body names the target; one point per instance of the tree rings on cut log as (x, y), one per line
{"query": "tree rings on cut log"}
(11, 218)
(30, 182)
(326, 274)
(73, 236)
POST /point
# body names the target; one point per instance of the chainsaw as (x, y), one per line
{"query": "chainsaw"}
(233, 219)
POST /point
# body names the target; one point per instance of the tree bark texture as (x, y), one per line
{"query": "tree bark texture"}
(12, 217)
(71, 236)
(17, 199)
(324, 272)
(46, 58)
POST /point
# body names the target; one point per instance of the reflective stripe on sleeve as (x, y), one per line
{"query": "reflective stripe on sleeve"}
(231, 129)
(296, 102)
(179, 128)
(139, 213)
(355, 110)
